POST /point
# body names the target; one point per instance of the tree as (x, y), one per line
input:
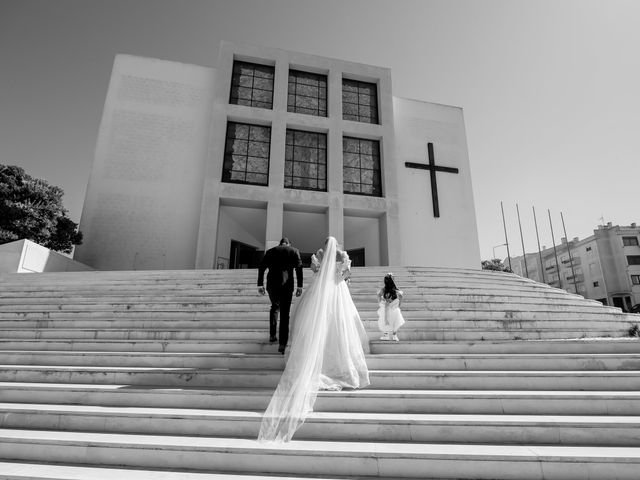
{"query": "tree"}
(31, 208)
(495, 265)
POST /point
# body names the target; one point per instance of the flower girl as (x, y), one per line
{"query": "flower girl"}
(389, 315)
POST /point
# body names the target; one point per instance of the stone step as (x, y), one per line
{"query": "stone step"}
(226, 322)
(357, 285)
(504, 319)
(138, 323)
(260, 304)
(215, 345)
(181, 276)
(358, 281)
(32, 471)
(400, 460)
(524, 333)
(465, 298)
(489, 402)
(338, 426)
(584, 346)
(86, 294)
(248, 334)
(380, 379)
(246, 291)
(389, 361)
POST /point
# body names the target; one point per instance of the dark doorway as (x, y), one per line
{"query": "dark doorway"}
(357, 257)
(619, 302)
(306, 259)
(244, 256)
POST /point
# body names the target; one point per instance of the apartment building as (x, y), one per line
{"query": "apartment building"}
(604, 266)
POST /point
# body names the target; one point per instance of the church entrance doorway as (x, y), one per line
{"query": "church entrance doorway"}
(241, 234)
(243, 255)
(362, 234)
(357, 257)
(306, 227)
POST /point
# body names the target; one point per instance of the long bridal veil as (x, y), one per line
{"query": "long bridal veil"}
(315, 317)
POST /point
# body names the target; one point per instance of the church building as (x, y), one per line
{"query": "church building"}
(205, 168)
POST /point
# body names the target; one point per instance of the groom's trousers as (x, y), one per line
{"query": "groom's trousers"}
(280, 304)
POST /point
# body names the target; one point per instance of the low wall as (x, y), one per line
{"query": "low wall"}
(25, 256)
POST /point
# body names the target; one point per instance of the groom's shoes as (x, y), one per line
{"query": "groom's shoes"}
(281, 349)
(273, 338)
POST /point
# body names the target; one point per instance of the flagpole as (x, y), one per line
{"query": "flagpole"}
(524, 253)
(506, 240)
(535, 221)
(573, 272)
(555, 252)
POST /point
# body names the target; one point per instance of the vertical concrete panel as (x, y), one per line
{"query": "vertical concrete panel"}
(274, 223)
(451, 239)
(143, 198)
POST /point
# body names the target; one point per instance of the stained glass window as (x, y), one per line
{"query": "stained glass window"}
(307, 93)
(359, 101)
(246, 154)
(252, 85)
(305, 160)
(361, 166)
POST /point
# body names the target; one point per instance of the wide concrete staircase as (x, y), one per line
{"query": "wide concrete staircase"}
(164, 375)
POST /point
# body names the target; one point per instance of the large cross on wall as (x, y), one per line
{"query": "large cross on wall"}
(433, 168)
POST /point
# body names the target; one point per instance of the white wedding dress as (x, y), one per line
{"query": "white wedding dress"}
(326, 347)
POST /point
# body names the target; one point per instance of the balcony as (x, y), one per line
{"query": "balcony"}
(578, 279)
(575, 261)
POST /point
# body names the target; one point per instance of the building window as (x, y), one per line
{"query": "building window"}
(633, 259)
(635, 279)
(588, 249)
(361, 166)
(307, 93)
(305, 160)
(252, 85)
(596, 284)
(359, 101)
(630, 241)
(246, 154)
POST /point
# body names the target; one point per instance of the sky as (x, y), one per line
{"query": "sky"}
(549, 88)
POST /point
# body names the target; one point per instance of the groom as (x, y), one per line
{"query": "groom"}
(280, 261)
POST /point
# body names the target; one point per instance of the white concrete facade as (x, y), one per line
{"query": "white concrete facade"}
(180, 214)
(142, 204)
(426, 238)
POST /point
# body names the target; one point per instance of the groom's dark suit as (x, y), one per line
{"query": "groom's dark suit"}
(281, 261)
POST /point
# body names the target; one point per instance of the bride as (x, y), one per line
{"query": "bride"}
(326, 347)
